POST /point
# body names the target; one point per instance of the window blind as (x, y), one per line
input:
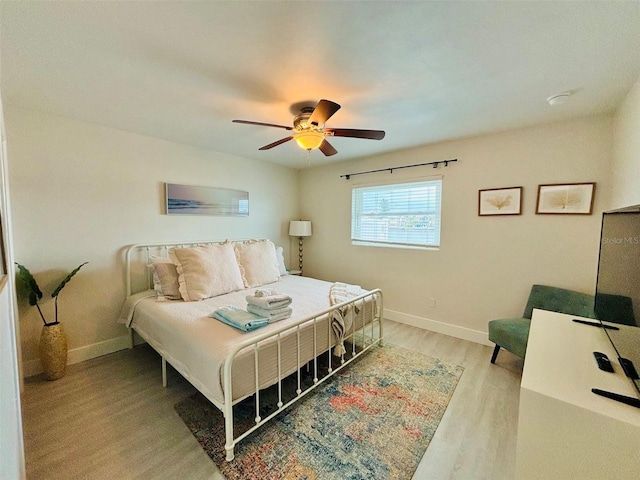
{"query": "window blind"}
(402, 214)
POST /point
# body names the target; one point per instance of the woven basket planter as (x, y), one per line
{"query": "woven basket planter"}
(53, 351)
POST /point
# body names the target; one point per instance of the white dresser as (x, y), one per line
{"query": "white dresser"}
(564, 430)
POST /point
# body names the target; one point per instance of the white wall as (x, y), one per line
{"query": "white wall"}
(626, 151)
(81, 192)
(486, 265)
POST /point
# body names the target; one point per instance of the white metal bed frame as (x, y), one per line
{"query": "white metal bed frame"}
(366, 335)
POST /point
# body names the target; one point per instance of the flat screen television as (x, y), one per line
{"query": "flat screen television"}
(617, 298)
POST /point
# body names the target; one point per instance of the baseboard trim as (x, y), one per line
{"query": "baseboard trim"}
(456, 331)
(77, 355)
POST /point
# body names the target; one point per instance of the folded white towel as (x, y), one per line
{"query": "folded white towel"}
(282, 313)
(265, 292)
(282, 316)
(267, 312)
(269, 302)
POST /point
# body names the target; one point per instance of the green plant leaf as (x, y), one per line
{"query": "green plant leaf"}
(25, 276)
(33, 299)
(65, 281)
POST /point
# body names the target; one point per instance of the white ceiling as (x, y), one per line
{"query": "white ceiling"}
(422, 71)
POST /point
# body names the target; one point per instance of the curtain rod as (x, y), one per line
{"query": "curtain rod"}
(391, 169)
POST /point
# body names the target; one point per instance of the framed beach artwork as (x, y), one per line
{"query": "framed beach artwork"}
(500, 201)
(194, 200)
(566, 198)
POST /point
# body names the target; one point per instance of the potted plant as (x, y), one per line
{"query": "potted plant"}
(53, 341)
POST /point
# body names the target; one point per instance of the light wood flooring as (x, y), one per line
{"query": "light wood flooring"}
(110, 417)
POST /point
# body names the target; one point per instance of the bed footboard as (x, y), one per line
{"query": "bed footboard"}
(366, 331)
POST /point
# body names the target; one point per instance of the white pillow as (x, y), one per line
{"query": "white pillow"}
(280, 257)
(206, 271)
(258, 262)
(165, 279)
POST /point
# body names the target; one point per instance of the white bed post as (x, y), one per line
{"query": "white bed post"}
(164, 372)
(129, 287)
(379, 299)
(228, 410)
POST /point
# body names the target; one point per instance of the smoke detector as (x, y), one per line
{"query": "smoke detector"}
(559, 99)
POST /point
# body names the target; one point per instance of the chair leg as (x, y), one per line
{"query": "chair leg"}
(495, 353)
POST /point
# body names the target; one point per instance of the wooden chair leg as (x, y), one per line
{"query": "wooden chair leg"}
(495, 353)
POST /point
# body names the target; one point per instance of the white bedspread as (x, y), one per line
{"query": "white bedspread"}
(197, 344)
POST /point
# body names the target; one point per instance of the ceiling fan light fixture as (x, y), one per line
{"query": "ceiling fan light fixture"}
(309, 140)
(309, 129)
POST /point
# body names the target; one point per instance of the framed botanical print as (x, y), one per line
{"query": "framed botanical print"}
(566, 198)
(500, 201)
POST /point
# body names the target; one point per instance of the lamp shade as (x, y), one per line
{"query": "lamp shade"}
(309, 139)
(300, 228)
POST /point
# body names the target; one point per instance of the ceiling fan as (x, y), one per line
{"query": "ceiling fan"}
(309, 129)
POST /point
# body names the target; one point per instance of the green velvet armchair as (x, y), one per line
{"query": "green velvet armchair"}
(512, 334)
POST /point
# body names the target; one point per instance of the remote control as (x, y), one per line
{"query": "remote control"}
(634, 402)
(595, 324)
(629, 369)
(603, 362)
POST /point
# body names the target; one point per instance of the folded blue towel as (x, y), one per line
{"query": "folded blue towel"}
(240, 319)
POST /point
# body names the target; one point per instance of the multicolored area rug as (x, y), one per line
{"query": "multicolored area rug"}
(374, 419)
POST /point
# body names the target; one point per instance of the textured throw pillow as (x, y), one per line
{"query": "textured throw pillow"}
(206, 271)
(165, 278)
(258, 262)
(280, 257)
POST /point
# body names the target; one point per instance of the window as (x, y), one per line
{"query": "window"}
(400, 214)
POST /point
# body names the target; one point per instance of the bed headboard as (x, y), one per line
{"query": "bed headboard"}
(138, 257)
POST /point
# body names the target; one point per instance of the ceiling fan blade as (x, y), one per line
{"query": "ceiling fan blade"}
(275, 144)
(323, 112)
(356, 133)
(248, 122)
(326, 148)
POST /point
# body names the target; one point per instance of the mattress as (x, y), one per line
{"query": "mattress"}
(197, 345)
